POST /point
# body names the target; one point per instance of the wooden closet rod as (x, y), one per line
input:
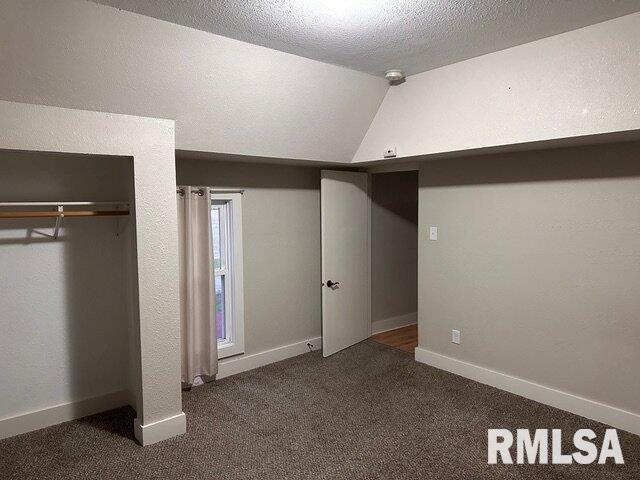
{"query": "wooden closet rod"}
(60, 204)
(67, 213)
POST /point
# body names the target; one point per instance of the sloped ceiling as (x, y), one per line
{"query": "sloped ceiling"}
(375, 35)
(226, 96)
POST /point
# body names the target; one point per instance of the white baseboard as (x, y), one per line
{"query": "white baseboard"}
(161, 430)
(584, 407)
(392, 323)
(234, 365)
(61, 413)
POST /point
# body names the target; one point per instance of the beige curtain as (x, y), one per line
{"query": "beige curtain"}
(197, 298)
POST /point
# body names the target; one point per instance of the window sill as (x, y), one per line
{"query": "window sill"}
(226, 350)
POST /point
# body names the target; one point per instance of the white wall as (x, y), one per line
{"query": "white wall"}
(537, 264)
(225, 95)
(281, 242)
(582, 82)
(64, 318)
(394, 245)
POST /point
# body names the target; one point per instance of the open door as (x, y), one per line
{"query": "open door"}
(345, 211)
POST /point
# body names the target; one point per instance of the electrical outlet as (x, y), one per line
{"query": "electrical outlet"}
(455, 337)
(390, 152)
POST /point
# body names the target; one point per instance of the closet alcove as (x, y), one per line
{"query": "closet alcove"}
(65, 303)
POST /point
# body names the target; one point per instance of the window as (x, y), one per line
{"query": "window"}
(226, 230)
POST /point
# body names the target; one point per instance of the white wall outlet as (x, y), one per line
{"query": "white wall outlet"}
(390, 152)
(455, 337)
(433, 233)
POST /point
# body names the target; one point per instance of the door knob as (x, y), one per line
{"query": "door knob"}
(331, 284)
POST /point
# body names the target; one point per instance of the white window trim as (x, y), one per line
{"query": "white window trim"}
(233, 241)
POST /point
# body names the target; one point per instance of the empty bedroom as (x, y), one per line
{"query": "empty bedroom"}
(319, 239)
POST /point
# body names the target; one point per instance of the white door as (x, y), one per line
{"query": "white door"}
(345, 212)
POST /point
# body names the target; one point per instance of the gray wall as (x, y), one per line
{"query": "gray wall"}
(281, 242)
(394, 244)
(64, 319)
(538, 264)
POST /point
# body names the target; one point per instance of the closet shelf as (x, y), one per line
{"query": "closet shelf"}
(64, 213)
(42, 204)
(35, 210)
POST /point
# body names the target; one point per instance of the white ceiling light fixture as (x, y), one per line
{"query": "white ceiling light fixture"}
(394, 76)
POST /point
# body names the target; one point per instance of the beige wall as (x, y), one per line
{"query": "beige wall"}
(538, 264)
(64, 322)
(394, 244)
(281, 241)
(150, 145)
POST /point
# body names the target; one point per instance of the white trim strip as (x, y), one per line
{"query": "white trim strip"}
(215, 190)
(235, 365)
(61, 413)
(584, 407)
(160, 430)
(392, 323)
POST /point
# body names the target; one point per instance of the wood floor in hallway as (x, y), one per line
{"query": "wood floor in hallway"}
(404, 338)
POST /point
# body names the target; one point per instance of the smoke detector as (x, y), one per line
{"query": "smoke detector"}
(394, 76)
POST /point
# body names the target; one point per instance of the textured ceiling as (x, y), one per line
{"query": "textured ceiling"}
(375, 35)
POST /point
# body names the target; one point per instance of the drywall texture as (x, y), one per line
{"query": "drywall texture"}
(537, 264)
(394, 244)
(150, 143)
(375, 36)
(582, 82)
(281, 246)
(224, 95)
(65, 325)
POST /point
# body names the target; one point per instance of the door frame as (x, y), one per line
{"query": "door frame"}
(393, 168)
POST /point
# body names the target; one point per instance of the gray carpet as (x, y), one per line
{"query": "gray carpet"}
(369, 412)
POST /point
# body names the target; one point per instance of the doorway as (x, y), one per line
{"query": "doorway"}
(369, 259)
(394, 259)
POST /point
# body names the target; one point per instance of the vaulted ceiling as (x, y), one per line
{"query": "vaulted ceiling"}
(375, 35)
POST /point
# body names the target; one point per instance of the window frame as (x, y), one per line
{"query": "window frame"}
(232, 270)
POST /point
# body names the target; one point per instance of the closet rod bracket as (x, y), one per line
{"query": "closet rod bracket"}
(120, 209)
(56, 228)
